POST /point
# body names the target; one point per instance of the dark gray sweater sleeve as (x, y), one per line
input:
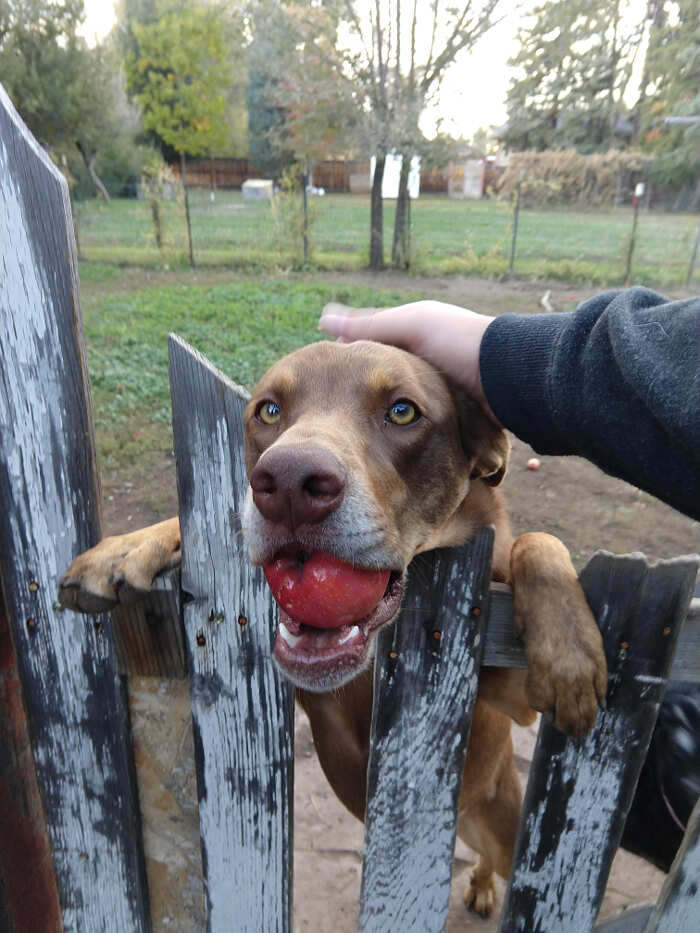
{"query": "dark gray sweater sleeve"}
(616, 381)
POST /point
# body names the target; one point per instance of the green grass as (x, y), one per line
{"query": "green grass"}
(449, 237)
(242, 327)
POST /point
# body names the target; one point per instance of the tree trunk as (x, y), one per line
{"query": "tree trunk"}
(183, 175)
(401, 250)
(376, 240)
(305, 181)
(157, 226)
(94, 177)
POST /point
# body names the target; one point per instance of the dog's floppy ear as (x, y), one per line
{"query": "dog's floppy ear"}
(483, 441)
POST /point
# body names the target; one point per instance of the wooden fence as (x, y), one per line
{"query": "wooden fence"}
(81, 761)
(331, 174)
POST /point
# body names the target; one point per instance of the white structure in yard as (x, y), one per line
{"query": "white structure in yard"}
(392, 172)
(466, 179)
(257, 189)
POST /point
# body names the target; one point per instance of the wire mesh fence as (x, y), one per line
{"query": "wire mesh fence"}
(447, 236)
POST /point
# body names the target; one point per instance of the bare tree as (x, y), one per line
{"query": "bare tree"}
(390, 56)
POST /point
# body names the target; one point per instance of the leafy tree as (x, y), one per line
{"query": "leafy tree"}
(233, 34)
(128, 12)
(106, 124)
(576, 57)
(267, 147)
(38, 58)
(673, 90)
(71, 96)
(182, 73)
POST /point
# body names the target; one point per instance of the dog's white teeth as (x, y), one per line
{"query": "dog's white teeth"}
(287, 635)
(351, 634)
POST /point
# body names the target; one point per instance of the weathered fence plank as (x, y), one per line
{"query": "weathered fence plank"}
(426, 676)
(242, 708)
(50, 511)
(678, 907)
(579, 792)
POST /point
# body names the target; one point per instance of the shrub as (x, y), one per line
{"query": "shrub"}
(292, 223)
(566, 177)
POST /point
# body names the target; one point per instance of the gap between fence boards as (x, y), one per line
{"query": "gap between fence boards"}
(149, 638)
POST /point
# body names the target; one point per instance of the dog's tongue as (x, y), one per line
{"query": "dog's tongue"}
(321, 591)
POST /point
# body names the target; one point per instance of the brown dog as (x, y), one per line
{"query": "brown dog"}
(365, 452)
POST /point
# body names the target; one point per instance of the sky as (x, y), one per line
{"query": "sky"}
(472, 95)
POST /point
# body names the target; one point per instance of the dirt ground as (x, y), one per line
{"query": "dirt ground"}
(566, 496)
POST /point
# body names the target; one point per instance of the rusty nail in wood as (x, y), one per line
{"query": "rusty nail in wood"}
(667, 630)
(201, 640)
(437, 635)
(33, 586)
(242, 620)
(393, 655)
(476, 611)
(31, 624)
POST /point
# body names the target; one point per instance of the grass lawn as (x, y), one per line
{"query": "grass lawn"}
(462, 237)
(242, 326)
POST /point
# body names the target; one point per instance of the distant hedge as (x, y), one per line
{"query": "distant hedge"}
(565, 177)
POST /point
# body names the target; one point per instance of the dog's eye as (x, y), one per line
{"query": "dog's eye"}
(268, 412)
(403, 412)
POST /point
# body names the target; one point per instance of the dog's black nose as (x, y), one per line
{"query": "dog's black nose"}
(293, 486)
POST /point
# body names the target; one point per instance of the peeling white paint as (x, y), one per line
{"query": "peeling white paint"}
(33, 416)
(567, 907)
(241, 707)
(411, 824)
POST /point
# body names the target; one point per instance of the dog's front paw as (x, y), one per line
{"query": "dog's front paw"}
(480, 894)
(567, 672)
(568, 677)
(120, 569)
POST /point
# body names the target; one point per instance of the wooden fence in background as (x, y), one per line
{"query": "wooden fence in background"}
(333, 175)
(81, 761)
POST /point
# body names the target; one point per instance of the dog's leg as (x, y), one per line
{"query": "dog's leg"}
(340, 724)
(567, 673)
(489, 804)
(491, 828)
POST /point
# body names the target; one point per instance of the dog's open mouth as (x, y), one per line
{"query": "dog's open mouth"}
(329, 610)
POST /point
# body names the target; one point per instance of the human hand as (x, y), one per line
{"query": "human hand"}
(445, 335)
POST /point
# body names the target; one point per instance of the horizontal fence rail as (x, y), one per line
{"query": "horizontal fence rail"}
(149, 640)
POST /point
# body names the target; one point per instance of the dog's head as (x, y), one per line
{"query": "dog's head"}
(359, 456)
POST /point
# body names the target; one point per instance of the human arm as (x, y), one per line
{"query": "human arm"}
(616, 381)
